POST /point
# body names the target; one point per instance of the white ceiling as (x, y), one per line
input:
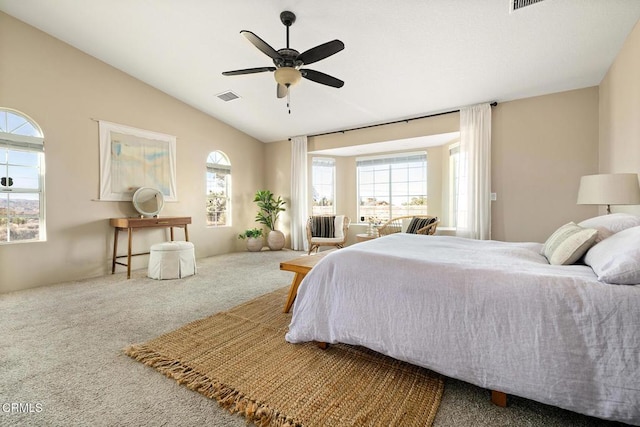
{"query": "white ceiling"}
(402, 58)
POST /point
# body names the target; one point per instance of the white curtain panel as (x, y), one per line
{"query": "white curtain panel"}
(473, 217)
(299, 199)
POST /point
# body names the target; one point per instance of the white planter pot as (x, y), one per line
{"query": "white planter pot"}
(275, 240)
(254, 244)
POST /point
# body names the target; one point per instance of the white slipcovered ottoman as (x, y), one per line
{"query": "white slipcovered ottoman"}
(172, 260)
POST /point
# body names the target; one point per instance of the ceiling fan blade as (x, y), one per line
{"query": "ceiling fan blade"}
(281, 90)
(320, 52)
(248, 71)
(322, 78)
(261, 44)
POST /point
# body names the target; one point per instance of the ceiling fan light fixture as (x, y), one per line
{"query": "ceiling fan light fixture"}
(287, 76)
(289, 62)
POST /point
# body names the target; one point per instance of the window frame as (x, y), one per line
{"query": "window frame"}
(211, 168)
(391, 159)
(11, 140)
(332, 210)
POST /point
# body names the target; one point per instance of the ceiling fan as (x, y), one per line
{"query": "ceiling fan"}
(288, 62)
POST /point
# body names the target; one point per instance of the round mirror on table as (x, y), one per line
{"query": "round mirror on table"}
(148, 201)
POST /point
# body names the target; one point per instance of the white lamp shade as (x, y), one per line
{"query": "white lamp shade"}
(609, 189)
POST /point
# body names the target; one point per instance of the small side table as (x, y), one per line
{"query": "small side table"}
(364, 237)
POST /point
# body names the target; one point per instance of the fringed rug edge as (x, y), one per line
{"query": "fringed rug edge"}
(228, 398)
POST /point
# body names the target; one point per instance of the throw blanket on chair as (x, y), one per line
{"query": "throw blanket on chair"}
(418, 223)
(323, 226)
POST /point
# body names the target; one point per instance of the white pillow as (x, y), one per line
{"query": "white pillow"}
(617, 259)
(568, 243)
(610, 224)
(339, 224)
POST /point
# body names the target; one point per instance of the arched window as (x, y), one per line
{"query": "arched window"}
(218, 189)
(21, 178)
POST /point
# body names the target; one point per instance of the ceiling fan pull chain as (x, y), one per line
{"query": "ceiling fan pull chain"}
(289, 99)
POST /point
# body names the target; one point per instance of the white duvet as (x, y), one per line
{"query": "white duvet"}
(491, 313)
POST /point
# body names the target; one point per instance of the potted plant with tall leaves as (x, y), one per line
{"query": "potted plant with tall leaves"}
(270, 209)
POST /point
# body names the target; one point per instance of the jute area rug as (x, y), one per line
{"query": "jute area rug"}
(241, 359)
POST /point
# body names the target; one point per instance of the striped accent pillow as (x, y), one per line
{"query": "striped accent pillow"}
(323, 226)
(418, 223)
(568, 243)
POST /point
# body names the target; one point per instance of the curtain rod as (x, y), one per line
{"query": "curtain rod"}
(493, 104)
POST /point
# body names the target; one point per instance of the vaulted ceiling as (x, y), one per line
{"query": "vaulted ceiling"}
(402, 58)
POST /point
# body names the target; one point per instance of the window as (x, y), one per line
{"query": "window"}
(218, 189)
(323, 177)
(454, 160)
(457, 192)
(21, 178)
(392, 186)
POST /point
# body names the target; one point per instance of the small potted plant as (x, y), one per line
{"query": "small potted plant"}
(270, 209)
(254, 239)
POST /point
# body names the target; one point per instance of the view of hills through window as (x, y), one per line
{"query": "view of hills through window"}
(19, 217)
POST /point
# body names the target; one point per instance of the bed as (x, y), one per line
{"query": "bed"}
(494, 314)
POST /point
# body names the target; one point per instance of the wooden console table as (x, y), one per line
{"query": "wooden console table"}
(135, 223)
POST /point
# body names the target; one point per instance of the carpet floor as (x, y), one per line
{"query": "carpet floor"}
(240, 359)
(61, 352)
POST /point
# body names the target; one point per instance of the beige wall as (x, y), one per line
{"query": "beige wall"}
(277, 163)
(540, 148)
(619, 138)
(63, 89)
(430, 126)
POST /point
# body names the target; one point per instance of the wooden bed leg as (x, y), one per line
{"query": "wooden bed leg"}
(322, 345)
(499, 398)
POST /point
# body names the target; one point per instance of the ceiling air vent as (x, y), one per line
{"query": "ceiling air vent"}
(227, 96)
(519, 4)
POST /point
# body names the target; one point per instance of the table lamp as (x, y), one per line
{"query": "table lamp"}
(609, 189)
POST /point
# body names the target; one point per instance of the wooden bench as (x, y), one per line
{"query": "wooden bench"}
(300, 266)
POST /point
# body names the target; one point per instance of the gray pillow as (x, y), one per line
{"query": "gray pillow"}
(568, 243)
